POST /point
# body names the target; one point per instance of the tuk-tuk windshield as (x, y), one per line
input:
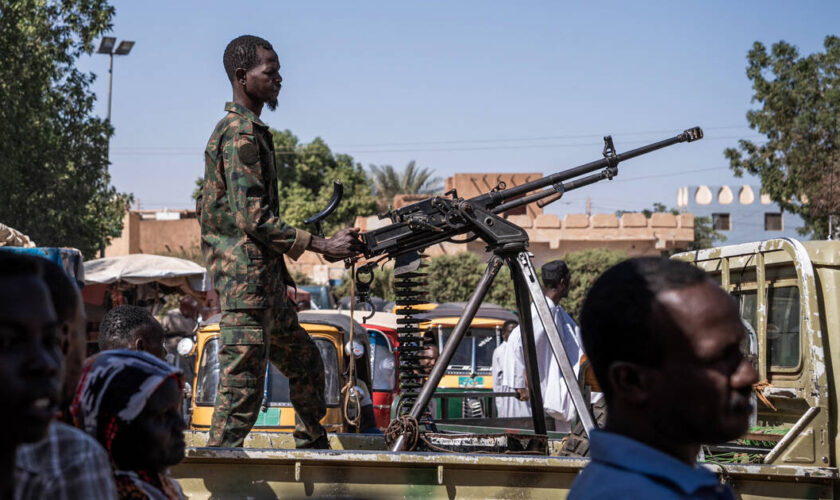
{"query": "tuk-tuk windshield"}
(382, 362)
(208, 376)
(481, 341)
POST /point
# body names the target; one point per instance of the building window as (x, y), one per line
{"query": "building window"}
(721, 222)
(772, 221)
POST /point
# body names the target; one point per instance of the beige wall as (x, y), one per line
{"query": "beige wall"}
(156, 236)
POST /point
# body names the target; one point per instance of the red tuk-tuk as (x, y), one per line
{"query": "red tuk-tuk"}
(384, 362)
(384, 347)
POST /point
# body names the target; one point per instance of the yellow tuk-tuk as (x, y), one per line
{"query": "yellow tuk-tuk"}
(470, 367)
(331, 333)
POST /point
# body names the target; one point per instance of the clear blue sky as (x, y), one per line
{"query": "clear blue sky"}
(458, 86)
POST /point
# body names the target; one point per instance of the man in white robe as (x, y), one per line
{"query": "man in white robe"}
(506, 406)
(556, 399)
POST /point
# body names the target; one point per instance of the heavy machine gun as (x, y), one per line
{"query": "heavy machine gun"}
(445, 218)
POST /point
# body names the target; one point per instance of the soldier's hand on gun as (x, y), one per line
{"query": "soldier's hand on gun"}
(344, 243)
(523, 394)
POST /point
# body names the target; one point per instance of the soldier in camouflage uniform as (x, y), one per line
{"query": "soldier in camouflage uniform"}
(244, 243)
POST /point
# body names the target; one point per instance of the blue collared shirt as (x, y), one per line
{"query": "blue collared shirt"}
(625, 468)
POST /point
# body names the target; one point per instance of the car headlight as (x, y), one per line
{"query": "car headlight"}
(357, 349)
(185, 346)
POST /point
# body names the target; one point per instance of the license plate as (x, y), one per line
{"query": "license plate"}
(470, 382)
(270, 418)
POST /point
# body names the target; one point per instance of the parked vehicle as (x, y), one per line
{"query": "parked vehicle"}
(320, 296)
(331, 333)
(384, 363)
(470, 368)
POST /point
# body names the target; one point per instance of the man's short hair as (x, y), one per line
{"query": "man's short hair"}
(554, 272)
(15, 264)
(618, 321)
(241, 52)
(63, 291)
(119, 325)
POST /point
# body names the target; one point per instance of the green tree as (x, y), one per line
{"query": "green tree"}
(54, 182)
(388, 182)
(799, 113)
(306, 173)
(585, 267)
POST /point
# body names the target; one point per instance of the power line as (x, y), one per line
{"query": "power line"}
(470, 141)
(181, 151)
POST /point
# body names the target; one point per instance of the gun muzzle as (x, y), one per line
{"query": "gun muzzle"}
(693, 134)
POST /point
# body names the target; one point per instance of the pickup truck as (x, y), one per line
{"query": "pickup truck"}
(789, 293)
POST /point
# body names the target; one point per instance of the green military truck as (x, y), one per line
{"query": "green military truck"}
(789, 294)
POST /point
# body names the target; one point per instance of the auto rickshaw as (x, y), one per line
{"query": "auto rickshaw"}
(331, 333)
(384, 362)
(470, 367)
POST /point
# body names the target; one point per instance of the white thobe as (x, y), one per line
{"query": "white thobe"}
(556, 399)
(507, 406)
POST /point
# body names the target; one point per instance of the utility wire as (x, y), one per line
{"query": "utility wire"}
(195, 152)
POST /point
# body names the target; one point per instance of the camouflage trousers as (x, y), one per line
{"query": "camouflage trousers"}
(242, 364)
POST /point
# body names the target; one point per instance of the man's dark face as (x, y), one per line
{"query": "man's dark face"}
(189, 307)
(508, 329)
(155, 439)
(263, 81)
(30, 359)
(429, 357)
(701, 393)
(149, 338)
(563, 286)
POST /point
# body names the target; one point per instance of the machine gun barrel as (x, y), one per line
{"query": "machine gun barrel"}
(608, 173)
(494, 199)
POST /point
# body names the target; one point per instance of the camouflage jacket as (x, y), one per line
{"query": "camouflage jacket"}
(242, 236)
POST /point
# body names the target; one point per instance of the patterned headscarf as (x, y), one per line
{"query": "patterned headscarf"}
(113, 390)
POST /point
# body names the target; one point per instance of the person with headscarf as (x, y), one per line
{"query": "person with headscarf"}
(130, 402)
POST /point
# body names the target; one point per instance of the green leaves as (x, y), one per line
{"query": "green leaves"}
(388, 182)
(54, 183)
(305, 181)
(799, 113)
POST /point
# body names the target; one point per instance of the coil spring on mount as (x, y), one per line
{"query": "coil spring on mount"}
(410, 290)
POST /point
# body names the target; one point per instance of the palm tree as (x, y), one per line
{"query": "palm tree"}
(388, 182)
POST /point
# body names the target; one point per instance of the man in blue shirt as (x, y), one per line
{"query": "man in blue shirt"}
(663, 340)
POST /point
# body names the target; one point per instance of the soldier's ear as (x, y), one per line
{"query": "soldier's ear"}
(239, 74)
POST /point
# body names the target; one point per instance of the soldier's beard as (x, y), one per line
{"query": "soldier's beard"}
(272, 104)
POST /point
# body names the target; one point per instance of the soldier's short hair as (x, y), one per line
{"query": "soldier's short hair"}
(241, 52)
(120, 324)
(618, 321)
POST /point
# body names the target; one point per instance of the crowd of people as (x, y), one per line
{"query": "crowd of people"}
(104, 427)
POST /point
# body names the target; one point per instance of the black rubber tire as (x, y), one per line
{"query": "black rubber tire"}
(576, 443)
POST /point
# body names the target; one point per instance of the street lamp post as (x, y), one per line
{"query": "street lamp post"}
(106, 46)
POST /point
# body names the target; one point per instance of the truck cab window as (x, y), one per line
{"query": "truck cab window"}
(783, 326)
